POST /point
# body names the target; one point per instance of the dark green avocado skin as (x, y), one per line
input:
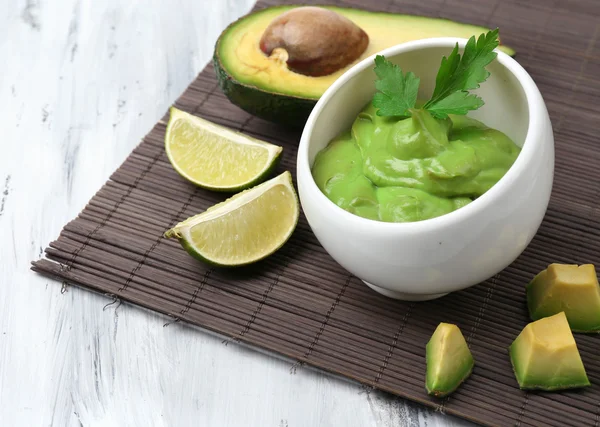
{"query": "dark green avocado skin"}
(282, 109)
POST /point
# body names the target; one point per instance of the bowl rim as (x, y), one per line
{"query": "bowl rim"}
(531, 144)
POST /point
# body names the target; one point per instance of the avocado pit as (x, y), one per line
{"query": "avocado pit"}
(314, 41)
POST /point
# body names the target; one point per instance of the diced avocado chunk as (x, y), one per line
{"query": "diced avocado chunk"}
(449, 360)
(569, 288)
(544, 356)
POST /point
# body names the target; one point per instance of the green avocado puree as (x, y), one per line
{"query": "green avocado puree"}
(411, 169)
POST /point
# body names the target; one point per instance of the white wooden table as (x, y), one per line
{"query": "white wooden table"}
(81, 82)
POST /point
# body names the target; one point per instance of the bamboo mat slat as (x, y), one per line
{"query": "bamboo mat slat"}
(303, 305)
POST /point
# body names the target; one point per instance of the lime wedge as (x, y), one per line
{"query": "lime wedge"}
(214, 157)
(244, 228)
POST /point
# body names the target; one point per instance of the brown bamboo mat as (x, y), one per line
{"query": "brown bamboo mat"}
(301, 304)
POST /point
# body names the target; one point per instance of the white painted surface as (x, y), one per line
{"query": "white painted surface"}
(81, 83)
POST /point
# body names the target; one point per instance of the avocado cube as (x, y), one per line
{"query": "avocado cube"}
(449, 360)
(544, 356)
(569, 288)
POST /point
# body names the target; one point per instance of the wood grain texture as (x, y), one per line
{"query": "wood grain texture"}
(81, 84)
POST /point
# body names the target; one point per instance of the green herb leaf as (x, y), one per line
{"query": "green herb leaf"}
(458, 103)
(459, 74)
(397, 92)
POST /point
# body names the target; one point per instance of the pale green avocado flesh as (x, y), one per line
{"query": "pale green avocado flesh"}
(570, 288)
(545, 356)
(449, 360)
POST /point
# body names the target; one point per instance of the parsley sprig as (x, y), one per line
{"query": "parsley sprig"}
(397, 92)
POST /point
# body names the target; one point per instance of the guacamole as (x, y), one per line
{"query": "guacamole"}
(410, 169)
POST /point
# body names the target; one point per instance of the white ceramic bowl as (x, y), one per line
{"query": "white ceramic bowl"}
(427, 259)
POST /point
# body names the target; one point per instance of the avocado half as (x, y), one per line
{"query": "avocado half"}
(265, 87)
